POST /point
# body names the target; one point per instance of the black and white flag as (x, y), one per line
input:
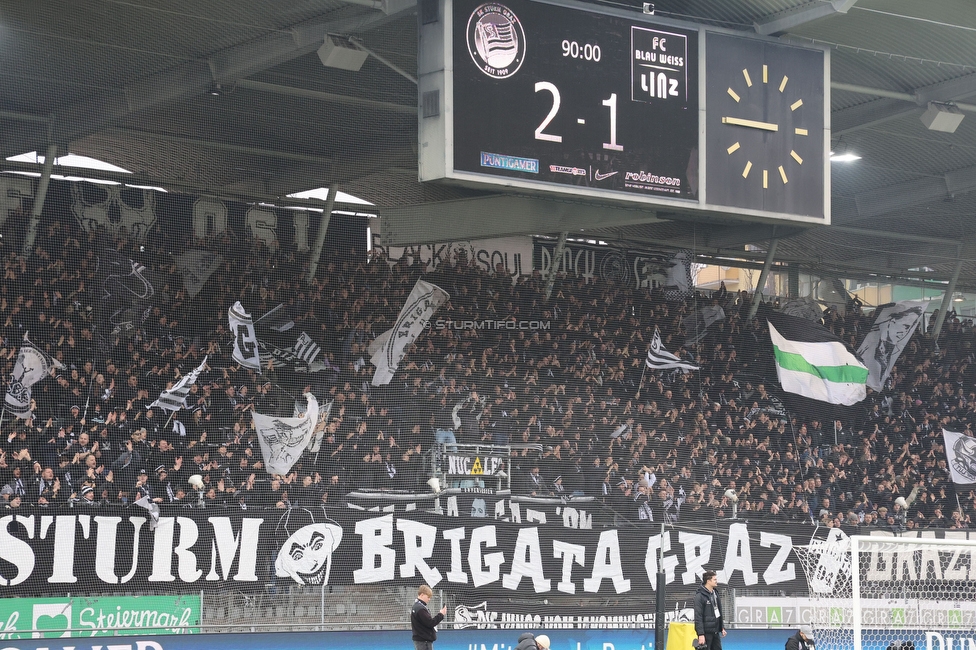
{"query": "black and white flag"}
(805, 307)
(306, 349)
(961, 456)
(389, 348)
(893, 326)
(245, 342)
(197, 266)
(324, 410)
(660, 359)
(124, 291)
(174, 398)
(283, 440)
(696, 325)
(33, 364)
(678, 284)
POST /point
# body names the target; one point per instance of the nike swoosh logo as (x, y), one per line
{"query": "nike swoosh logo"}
(601, 177)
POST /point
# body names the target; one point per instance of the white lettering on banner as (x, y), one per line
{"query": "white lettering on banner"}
(16, 551)
(484, 567)
(105, 552)
(738, 556)
(698, 551)
(418, 546)
(379, 560)
(227, 547)
(527, 562)
(573, 518)
(209, 217)
(487, 254)
(569, 553)
(778, 570)
(607, 564)
(262, 223)
(13, 191)
(669, 563)
(475, 466)
(456, 574)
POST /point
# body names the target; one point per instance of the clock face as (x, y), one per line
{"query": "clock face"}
(765, 124)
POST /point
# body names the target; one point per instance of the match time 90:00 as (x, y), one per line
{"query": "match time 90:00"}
(586, 51)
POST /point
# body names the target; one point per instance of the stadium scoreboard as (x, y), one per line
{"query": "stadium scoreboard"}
(613, 105)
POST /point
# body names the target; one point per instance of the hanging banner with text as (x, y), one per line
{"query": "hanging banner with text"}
(93, 550)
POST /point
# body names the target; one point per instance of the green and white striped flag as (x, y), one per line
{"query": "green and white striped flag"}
(812, 362)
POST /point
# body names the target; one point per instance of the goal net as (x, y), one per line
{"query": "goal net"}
(891, 593)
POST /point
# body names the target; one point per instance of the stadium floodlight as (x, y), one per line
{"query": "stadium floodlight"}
(880, 591)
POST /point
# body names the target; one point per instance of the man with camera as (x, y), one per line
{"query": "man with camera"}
(708, 614)
(802, 640)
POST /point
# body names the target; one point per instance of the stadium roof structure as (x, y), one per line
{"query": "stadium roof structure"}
(229, 97)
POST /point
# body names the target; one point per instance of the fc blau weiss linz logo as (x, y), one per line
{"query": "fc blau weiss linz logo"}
(496, 40)
(658, 65)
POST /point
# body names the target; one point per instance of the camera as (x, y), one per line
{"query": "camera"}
(649, 8)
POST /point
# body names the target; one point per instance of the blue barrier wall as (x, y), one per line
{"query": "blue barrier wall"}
(447, 640)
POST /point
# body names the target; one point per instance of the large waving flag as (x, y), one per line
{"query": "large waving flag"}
(389, 348)
(812, 362)
(893, 326)
(174, 398)
(961, 456)
(660, 359)
(33, 364)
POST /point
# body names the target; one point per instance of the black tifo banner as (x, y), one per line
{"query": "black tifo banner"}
(491, 504)
(89, 551)
(136, 212)
(638, 269)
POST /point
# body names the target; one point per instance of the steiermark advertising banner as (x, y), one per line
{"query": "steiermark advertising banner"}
(52, 618)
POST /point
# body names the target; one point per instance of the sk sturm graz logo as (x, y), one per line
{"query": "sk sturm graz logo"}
(496, 40)
(614, 268)
(965, 457)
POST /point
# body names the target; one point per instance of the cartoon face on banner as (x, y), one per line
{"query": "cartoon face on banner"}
(119, 210)
(306, 543)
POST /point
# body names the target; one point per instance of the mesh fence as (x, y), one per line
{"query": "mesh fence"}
(487, 412)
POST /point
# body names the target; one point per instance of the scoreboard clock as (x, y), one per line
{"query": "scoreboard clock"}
(765, 125)
(588, 101)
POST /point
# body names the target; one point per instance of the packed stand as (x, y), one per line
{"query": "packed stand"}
(651, 445)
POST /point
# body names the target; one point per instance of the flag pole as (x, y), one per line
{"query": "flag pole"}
(640, 386)
(170, 419)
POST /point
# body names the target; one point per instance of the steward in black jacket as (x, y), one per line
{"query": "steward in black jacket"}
(709, 625)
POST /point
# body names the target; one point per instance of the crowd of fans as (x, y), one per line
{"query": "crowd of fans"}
(652, 445)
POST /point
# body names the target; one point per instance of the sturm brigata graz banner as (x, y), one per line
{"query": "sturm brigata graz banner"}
(94, 550)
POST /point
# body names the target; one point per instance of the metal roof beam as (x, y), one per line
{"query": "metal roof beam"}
(896, 104)
(793, 18)
(884, 200)
(195, 77)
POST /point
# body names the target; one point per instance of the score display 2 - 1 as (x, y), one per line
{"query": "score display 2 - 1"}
(548, 94)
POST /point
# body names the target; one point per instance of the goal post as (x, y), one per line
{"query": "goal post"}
(882, 592)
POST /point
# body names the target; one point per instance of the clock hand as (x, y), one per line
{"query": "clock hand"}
(752, 124)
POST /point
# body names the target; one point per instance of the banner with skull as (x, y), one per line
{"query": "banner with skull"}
(283, 439)
(118, 210)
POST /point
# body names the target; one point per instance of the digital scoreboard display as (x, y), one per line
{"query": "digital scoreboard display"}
(549, 94)
(611, 105)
